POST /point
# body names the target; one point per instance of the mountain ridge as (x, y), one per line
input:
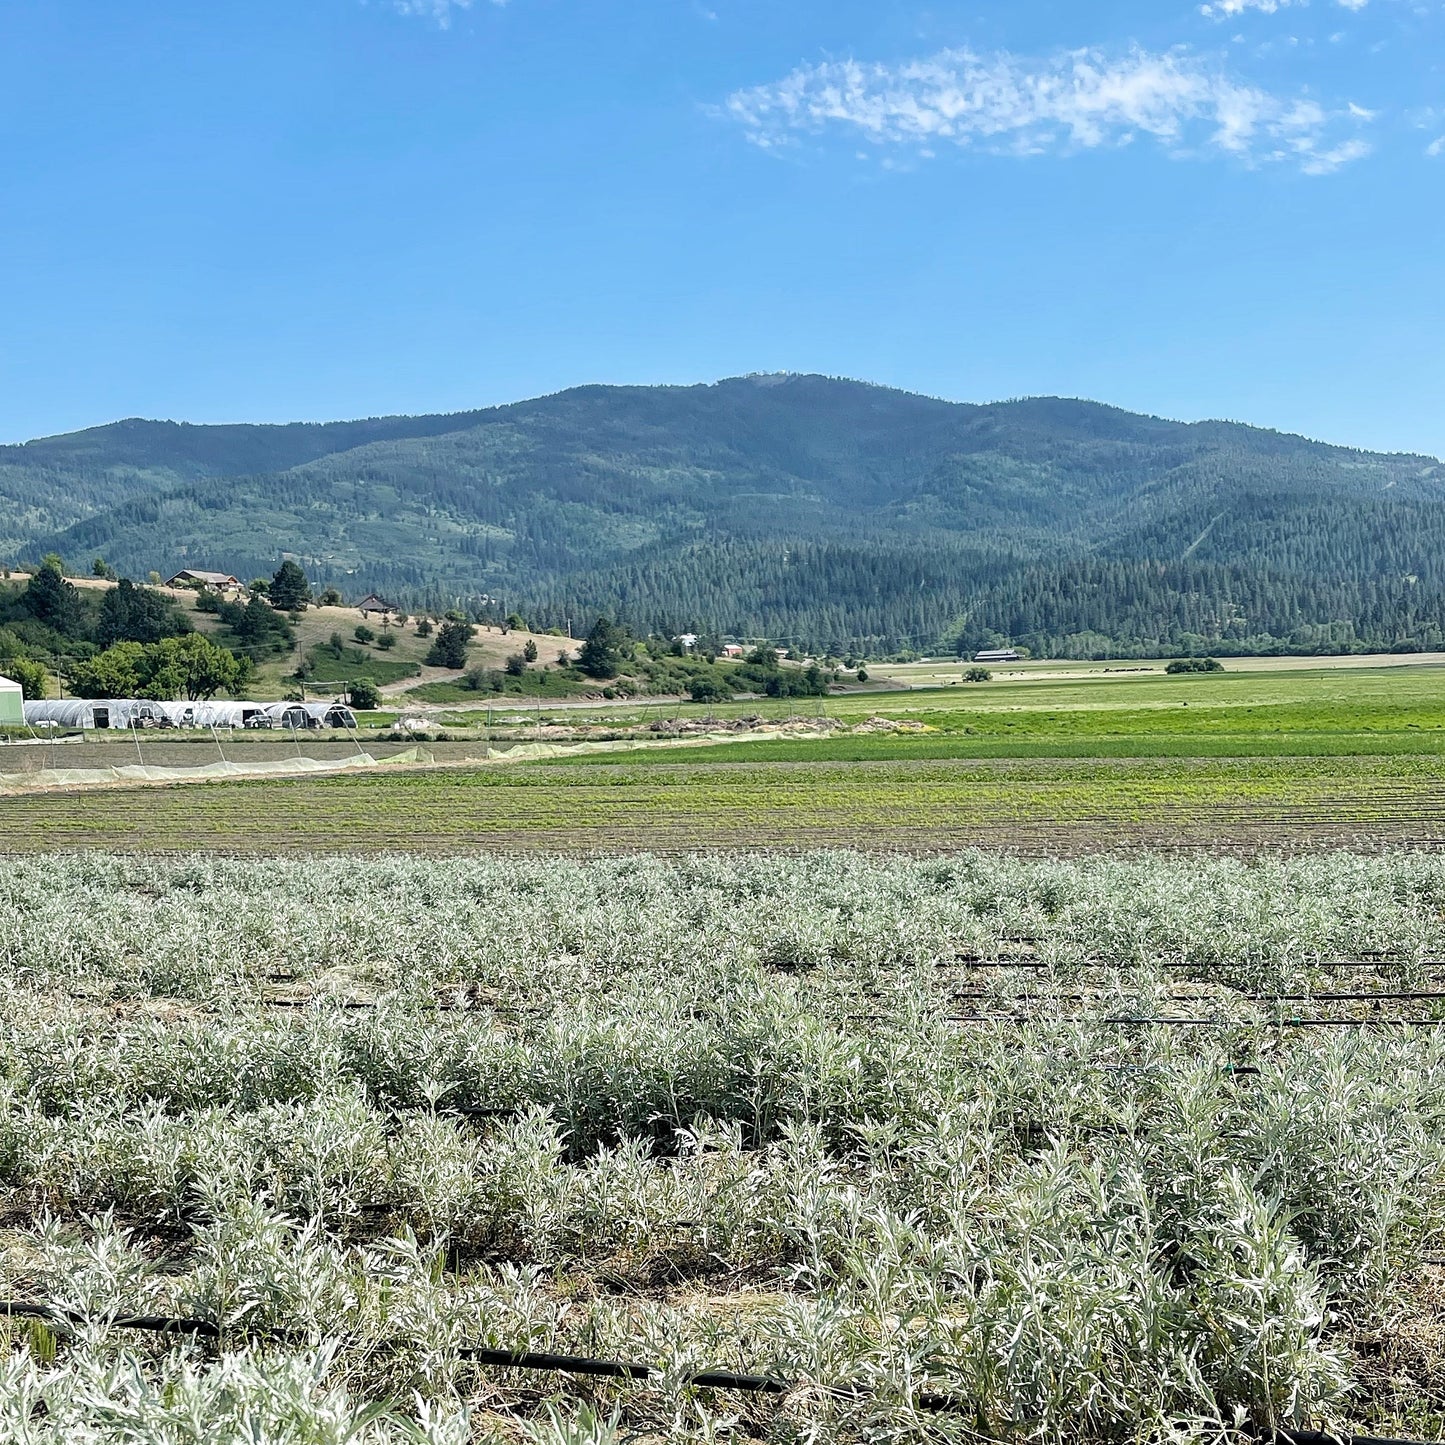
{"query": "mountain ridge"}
(757, 379)
(627, 498)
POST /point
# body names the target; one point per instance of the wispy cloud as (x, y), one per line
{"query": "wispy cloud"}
(438, 11)
(1224, 9)
(1078, 100)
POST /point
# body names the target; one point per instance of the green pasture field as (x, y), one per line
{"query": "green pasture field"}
(1034, 805)
(1323, 700)
(1326, 712)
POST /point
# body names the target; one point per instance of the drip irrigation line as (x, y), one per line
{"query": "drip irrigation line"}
(1344, 997)
(563, 1364)
(443, 1006)
(157, 1324)
(346, 1003)
(1182, 1022)
(974, 960)
(625, 1370)
(1328, 1437)
(1071, 997)
(484, 1355)
(702, 1379)
(1375, 1021)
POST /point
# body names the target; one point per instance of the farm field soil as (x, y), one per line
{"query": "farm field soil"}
(1037, 805)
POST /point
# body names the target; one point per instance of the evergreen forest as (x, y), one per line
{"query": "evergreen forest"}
(827, 515)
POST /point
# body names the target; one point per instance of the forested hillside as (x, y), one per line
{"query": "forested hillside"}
(828, 513)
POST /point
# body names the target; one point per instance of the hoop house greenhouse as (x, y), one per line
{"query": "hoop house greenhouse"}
(76, 712)
(211, 714)
(304, 715)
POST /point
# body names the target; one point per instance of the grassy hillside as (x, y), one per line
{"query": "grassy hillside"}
(397, 668)
(831, 513)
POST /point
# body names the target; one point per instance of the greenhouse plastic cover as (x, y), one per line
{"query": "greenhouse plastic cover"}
(282, 767)
(209, 772)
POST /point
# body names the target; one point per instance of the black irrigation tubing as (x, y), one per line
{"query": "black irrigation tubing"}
(972, 960)
(436, 1006)
(1327, 1437)
(702, 1379)
(158, 1324)
(625, 1370)
(1182, 1022)
(482, 1355)
(1343, 997)
(1073, 997)
(1374, 1021)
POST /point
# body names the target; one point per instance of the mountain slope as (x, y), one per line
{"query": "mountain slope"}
(830, 511)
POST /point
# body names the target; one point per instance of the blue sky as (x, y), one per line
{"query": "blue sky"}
(312, 209)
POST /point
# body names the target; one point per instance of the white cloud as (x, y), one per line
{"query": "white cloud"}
(1222, 9)
(1436, 147)
(1078, 100)
(439, 11)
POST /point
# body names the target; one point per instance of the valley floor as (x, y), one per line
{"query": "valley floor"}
(1270, 759)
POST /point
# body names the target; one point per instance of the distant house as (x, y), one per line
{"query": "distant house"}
(732, 650)
(217, 581)
(999, 654)
(687, 639)
(375, 606)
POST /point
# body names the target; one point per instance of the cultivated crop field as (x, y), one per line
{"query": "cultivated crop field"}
(1046, 805)
(818, 1148)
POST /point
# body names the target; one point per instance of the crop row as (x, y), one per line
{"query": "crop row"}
(714, 1113)
(918, 805)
